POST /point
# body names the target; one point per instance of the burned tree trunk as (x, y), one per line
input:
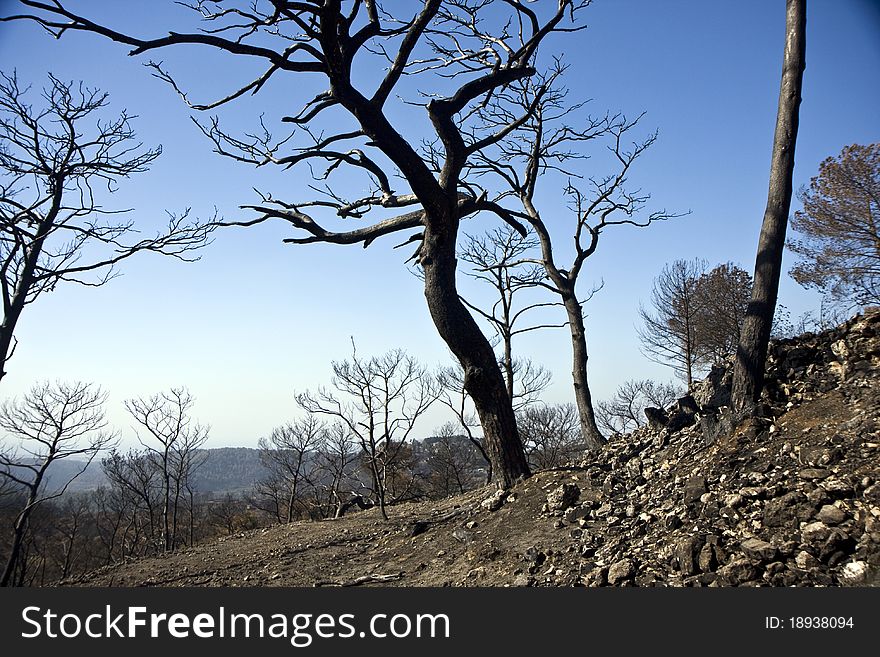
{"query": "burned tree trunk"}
(482, 377)
(584, 400)
(748, 373)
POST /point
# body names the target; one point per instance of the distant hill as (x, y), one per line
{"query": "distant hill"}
(229, 470)
(226, 470)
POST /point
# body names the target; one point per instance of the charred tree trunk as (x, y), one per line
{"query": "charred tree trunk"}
(583, 398)
(482, 376)
(20, 528)
(748, 373)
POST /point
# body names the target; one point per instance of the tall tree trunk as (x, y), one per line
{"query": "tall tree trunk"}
(748, 373)
(583, 398)
(482, 376)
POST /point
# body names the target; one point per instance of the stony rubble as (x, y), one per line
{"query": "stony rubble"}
(792, 499)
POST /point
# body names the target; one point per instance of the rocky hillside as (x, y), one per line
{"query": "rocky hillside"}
(691, 500)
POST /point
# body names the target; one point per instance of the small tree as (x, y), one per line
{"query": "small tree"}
(379, 400)
(289, 456)
(52, 422)
(669, 328)
(453, 462)
(175, 438)
(625, 411)
(136, 491)
(337, 463)
(52, 226)
(839, 228)
(552, 435)
(722, 300)
(496, 258)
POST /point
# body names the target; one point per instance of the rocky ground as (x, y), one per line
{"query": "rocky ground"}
(691, 500)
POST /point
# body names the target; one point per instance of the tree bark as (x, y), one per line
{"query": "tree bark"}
(748, 373)
(482, 376)
(589, 430)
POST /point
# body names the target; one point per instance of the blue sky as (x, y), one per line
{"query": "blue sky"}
(256, 320)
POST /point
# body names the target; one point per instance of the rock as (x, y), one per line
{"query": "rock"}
(754, 492)
(656, 417)
(707, 560)
(563, 497)
(679, 420)
(758, 549)
(694, 489)
(494, 501)
(733, 500)
(672, 521)
(463, 535)
(813, 474)
(818, 496)
(805, 560)
(737, 572)
(837, 542)
(685, 554)
(815, 532)
(714, 390)
(854, 573)
(786, 510)
(576, 513)
(620, 571)
(688, 404)
(535, 556)
(837, 488)
(831, 515)
(522, 580)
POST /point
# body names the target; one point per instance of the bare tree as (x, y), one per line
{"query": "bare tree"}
(496, 259)
(337, 460)
(72, 514)
(549, 143)
(748, 372)
(379, 400)
(552, 435)
(839, 228)
(625, 411)
(134, 482)
(165, 417)
(53, 158)
(453, 462)
(289, 455)
(52, 422)
(669, 328)
(461, 53)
